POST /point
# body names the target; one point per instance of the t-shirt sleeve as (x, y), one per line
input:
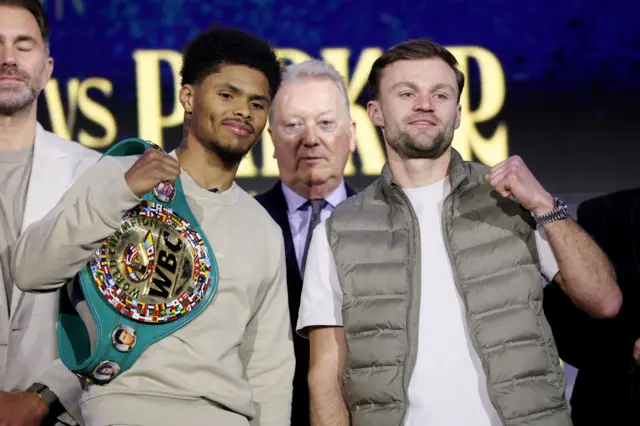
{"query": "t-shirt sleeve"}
(321, 300)
(548, 264)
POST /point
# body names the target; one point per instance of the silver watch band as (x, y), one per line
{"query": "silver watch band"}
(560, 212)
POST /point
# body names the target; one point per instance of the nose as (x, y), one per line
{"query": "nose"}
(7, 55)
(423, 103)
(309, 136)
(242, 109)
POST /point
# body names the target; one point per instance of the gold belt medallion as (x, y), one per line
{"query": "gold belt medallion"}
(155, 268)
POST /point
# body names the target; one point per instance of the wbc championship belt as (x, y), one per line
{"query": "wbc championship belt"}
(151, 277)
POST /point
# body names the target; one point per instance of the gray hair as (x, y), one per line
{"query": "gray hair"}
(313, 69)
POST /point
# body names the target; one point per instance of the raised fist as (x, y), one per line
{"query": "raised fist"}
(513, 178)
(152, 168)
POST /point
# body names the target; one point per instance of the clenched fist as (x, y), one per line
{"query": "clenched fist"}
(152, 168)
(636, 352)
(513, 178)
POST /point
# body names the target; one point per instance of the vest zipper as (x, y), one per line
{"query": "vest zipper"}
(414, 301)
(446, 206)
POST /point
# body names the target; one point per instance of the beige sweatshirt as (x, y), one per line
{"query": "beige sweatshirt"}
(235, 361)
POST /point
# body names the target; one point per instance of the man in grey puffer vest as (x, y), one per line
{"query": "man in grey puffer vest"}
(422, 295)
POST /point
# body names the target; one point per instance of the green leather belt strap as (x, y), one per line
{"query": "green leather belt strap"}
(150, 278)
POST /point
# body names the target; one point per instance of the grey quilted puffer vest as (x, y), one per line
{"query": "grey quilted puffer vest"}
(375, 241)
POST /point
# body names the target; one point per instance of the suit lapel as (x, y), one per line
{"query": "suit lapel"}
(277, 208)
(276, 204)
(51, 175)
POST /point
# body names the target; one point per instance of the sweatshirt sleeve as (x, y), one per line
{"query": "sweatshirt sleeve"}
(267, 350)
(55, 248)
(65, 385)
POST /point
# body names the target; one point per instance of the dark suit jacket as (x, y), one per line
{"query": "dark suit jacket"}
(274, 202)
(602, 350)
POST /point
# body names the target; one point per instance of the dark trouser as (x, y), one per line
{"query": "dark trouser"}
(608, 397)
(300, 405)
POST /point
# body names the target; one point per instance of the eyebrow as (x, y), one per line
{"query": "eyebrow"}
(235, 89)
(408, 84)
(21, 38)
(413, 86)
(320, 114)
(444, 86)
(26, 38)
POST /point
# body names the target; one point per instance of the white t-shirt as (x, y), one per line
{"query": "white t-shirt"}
(448, 384)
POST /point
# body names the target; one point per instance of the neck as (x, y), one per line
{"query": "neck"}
(418, 172)
(18, 131)
(204, 166)
(314, 192)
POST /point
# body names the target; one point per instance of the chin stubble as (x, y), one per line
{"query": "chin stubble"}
(230, 157)
(407, 146)
(12, 102)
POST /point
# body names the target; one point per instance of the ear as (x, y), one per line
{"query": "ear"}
(48, 69)
(187, 92)
(352, 138)
(458, 115)
(375, 113)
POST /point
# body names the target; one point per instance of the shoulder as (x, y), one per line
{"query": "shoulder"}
(272, 199)
(478, 195)
(78, 157)
(265, 200)
(264, 197)
(256, 215)
(103, 171)
(476, 169)
(369, 201)
(118, 164)
(262, 237)
(71, 148)
(365, 211)
(370, 195)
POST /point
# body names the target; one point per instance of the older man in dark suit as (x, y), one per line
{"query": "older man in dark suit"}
(313, 135)
(605, 352)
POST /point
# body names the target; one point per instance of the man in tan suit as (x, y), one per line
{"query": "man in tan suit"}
(36, 168)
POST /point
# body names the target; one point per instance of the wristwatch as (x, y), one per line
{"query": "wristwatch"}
(561, 211)
(49, 398)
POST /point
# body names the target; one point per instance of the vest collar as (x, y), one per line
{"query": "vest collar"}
(458, 174)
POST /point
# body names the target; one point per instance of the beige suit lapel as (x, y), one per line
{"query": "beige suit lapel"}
(51, 175)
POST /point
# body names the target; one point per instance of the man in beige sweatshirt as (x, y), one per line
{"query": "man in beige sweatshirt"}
(233, 365)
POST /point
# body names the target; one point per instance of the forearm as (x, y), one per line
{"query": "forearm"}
(586, 274)
(53, 249)
(328, 401)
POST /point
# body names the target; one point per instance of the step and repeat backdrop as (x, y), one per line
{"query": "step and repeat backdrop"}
(554, 82)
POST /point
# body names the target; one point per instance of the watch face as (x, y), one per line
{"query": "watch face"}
(561, 207)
